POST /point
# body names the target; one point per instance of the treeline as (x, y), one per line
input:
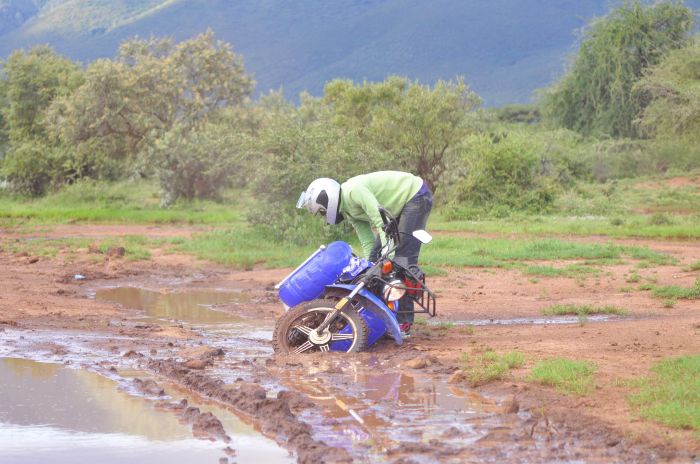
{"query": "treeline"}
(183, 114)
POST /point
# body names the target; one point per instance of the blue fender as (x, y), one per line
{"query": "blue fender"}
(378, 308)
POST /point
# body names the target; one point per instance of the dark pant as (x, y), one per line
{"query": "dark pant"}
(413, 216)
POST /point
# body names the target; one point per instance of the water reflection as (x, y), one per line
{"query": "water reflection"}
(389, 407)
(192, 306)
(61, 415)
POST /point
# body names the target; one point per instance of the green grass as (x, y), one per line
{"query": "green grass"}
(443, 325)
(675, 292)
(619, 208)
(486, 252)
(136, 247)
(490, 366)
(235, 243)
(567, 376)
(686, 227)
(671, 395)
(244, 248)
(582, 310)
(122, 202)
(573, 270)
(669, 302)
(694, 266)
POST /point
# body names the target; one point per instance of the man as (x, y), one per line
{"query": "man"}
(358, 199)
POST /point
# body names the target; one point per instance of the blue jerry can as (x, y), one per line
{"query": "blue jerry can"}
(322, 268)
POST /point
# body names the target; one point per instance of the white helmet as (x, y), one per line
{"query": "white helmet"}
(322, 196)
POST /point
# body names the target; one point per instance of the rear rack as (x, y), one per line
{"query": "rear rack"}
(425, 298)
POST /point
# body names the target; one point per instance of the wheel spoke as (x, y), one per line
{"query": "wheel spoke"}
(304, 329)
(303, 347)
(339, 336)
(324, 347)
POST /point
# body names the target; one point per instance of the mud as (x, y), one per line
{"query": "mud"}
(273, 415)
(200, 332)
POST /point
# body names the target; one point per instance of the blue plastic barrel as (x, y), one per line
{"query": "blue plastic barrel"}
(308, 281)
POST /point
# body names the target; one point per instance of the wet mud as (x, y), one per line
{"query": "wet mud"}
(273, 415)
(194, 344)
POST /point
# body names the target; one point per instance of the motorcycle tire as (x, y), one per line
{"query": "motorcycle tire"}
(292, 331)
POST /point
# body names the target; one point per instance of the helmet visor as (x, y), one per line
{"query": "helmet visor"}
(301, 202)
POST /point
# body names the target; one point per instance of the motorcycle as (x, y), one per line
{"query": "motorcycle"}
(336, 301)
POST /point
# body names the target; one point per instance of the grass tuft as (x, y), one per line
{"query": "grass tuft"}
(675, 292)
(490, 366)
(573, 270)
(672, 394)
(582, 310)
(567, 376)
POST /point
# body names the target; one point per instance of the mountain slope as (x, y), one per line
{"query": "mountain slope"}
(505, 48)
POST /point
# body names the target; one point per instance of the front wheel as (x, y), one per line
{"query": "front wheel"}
(294, 332)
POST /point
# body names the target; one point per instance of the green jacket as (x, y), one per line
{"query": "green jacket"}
(361, 196)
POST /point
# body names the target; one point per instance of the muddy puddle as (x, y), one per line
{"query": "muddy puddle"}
(241, 338)
(51, 413)
(376, 408)
(368, 406)
(193, 306)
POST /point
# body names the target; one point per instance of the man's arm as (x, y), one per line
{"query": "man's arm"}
(370, 206)
(365, 234)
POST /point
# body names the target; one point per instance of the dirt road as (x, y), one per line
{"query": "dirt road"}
(393, 404)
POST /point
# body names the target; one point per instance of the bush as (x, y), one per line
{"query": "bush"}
(294, 147)
(672, 95)
(624, 158)
(506, 172)
(31, 167)
(197, 163)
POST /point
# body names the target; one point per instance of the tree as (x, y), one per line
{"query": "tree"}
(31, 81)
(426, 125)
(506, 171)
(595, 96)
(3, 105)
(670, 94)
(198, 163)
(153, 86)
(410, 124)
(292, 147)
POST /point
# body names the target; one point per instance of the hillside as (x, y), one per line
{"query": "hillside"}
(505, 48)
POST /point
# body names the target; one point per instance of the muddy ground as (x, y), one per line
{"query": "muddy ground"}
(393, 404)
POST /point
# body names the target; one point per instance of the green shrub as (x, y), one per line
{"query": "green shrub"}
(506, 172)
(671, 91)
(294, 147)
(197, 163)
(660, 219)
(30, 168)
